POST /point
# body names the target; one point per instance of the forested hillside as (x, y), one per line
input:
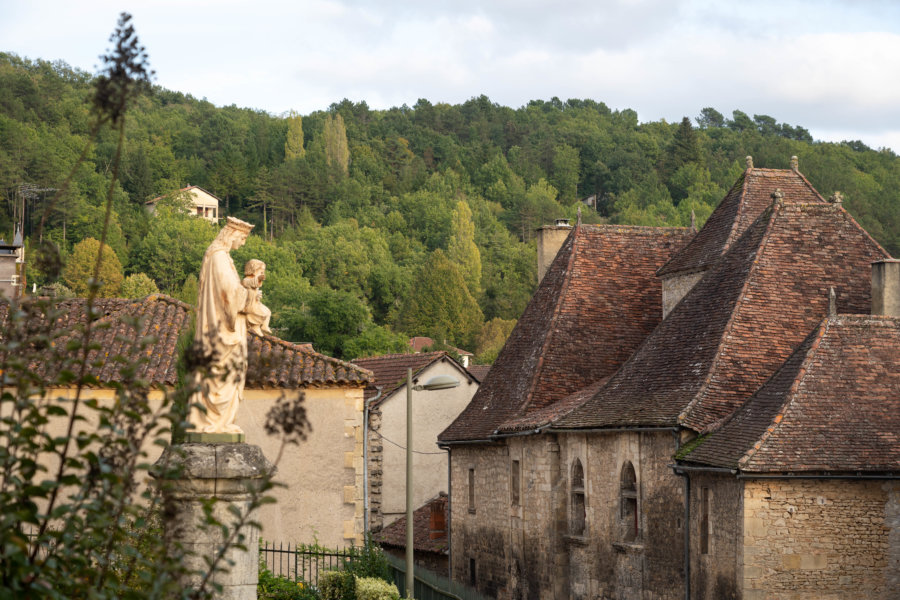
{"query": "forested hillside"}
(381, 224)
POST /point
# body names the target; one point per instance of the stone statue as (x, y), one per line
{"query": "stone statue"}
(222, 308)
(258, 314)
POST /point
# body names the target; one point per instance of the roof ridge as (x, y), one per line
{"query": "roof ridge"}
(802, 372)
(554, 317)
(398, 355)
(773, 211)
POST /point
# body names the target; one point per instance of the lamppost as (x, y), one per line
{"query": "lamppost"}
(439, 382)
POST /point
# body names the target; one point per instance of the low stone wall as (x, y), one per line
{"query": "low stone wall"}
(821, 539)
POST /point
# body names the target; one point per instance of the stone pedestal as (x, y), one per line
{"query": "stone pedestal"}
(224, 474)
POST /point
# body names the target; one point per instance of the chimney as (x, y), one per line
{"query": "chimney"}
(549, 240)
(886, 287)
(438, 522)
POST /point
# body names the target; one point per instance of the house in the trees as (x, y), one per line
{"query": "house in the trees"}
(323, 495)
(386, 444)
(203, 204)
(639, 345)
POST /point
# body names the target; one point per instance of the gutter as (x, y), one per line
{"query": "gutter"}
(366, 406)
(609, 429)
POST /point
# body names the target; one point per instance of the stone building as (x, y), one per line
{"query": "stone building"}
(561, 478)
(323, 492)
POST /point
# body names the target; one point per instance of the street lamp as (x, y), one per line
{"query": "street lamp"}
(439, 382)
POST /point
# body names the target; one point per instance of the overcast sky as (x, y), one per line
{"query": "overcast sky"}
(832, 66)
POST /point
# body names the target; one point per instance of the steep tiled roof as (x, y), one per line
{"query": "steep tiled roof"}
(741, 321)
(390, 370)
(833, 406)
(747, 199)
(599, 299)
(272, 362)
(395, 533)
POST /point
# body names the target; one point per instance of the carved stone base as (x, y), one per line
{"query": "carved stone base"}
(226, 474)
(195, 437)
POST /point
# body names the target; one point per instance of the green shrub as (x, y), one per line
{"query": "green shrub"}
(369, 561)
(337, 585)
(372, 588)
(272, 587)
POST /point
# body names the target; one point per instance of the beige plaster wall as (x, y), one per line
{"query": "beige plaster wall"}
(821, 539)
(550, 239)
(432, 413)
(323, 497)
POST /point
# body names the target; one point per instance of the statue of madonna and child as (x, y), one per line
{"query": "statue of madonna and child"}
(227, 308)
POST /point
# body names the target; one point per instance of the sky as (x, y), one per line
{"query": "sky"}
(832, 66)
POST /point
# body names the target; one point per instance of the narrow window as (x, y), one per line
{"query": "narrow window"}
(578, 520)
(514, 482)
(200, 211)
(471, 490)
(628, 503)
(472, 572)
(704, 520)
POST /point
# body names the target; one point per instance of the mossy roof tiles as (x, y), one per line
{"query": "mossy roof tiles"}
(834, 406)
(740, 322)
(599, 299)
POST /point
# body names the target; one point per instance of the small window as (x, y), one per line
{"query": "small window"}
(628, 503)
(514, 483)
(200, 211)
(472, 578)
(704, 520)
(471, 490)
(577, 520)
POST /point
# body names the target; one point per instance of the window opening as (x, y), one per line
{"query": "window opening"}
(578, 508)
(471, 490)
(704, 520)
(472, 572)
(628, 502)
(515, 482)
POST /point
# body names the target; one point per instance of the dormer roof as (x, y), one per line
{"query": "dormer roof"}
(748, 198)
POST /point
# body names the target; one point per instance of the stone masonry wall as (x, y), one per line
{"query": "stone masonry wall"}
(716, 573)
(821, 539)
(604, 562)
(675, 287)
(375, 470)
(480, 536)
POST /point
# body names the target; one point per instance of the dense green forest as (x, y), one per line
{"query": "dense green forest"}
(381, 224)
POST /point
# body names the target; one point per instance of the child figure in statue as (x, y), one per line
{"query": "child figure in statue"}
(258, 314)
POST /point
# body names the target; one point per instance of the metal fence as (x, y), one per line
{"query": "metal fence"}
(430, 585)
(302, 562)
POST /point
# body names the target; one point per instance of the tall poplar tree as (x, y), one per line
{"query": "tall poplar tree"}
(293, 143)
(337, 151)
(461, 249)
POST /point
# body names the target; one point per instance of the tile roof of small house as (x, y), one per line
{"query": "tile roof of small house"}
(740, 322)
(185, 189)
(390, 370)
(598, 300)
(834, 406)
(748, 198)
(479, 371)
(395, 533)
(272, 363)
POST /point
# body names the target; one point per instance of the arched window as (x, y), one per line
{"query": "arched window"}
(577, 516)
(628, 503)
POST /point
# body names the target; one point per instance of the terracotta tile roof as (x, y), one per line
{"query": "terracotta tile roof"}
(395, 533)
(272, 362)
(834, 406)
(741, 321)
(390, 370)
(184, 189)
(539, 418)
(420, 342)
(747, 199)
(479, 371)
(599, 299)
